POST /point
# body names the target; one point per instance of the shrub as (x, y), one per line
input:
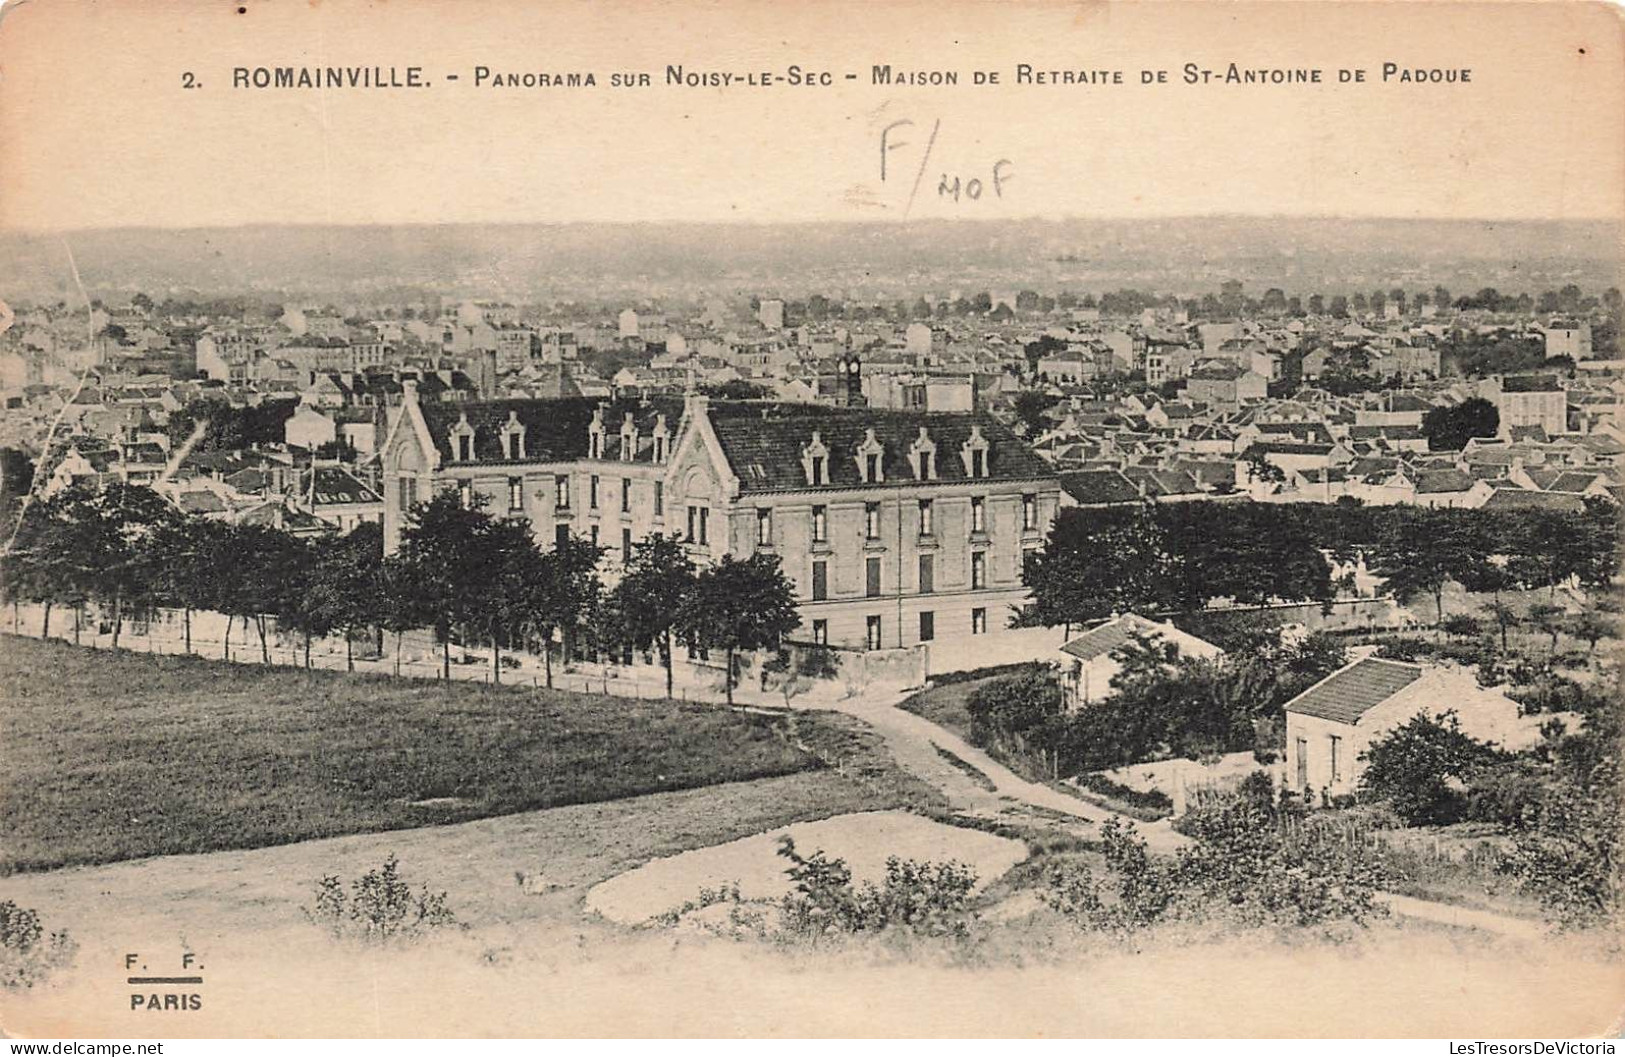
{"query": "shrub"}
(380, 907)
(1420, 768)
(1251, 861)
(27, 954)
(924, 898)
(1153, 801)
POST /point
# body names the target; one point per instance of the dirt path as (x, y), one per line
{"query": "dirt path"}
(915, 741)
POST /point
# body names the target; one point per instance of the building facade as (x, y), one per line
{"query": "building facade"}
(895, 527)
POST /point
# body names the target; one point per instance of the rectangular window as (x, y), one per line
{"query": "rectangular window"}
(516, 493)
(928, 573)
(1303, 764)
(978, 622)
(465, 448)
(592, 492)
(928, 465)
(465, 494)
(705, 520)
(978, 462)
(693, 520)
(871, 465)
(626, 495)
(873, 632)
(821, 632)
(764, 526)
(925, 517)
(626, 546)
(818, 475)
(561, 491)
(660, 499)
(928, 626)
(594, 535)
(408, 493)
(820, 525)
(871, 570)
(561, 534)
(820, 581)
(1337, 743)
(978, 570)
(978, 516)
(871, 521)
(1029, 513)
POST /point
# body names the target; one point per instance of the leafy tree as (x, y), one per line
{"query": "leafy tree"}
(510, 563)
(1450, 428)
(114, 533)
(1549, 619)
(652, 593)
(346, 590)
(191, 560)
(740, 605)
(560, 594)
(45, 563)
(267, 580)
(440, 556)
(1422, 550)
(1419, 767)
(1030, 407)
(402, 605)
(1461, 625)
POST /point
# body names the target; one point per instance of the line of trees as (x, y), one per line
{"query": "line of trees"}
(1178, 557)
(472, 577)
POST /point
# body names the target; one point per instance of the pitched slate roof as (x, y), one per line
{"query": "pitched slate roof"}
(554, 429)
(1443, 481)
(1351, 692)
(765, 452)
(337, 485)
(1524, 499)
(1100, 488)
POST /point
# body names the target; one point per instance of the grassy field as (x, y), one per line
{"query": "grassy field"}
(118, 756)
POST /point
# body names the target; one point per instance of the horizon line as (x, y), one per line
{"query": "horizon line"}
(854, 222)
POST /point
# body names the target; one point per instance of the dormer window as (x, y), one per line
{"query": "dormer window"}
(462, 440)
(922, 456)
(974, 453)
(660, 438)
(870, 461)
(513, 437)
(595, 435)
(629, 439)
(815, 462)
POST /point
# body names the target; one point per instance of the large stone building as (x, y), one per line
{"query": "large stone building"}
(895, 527)
(1528, 400)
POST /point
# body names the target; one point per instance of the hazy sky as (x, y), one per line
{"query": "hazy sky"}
(96, 129)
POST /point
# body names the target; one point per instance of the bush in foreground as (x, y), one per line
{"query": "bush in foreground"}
(27, 954)
(379, 908)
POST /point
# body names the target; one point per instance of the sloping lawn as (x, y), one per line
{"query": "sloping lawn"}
(112, 756)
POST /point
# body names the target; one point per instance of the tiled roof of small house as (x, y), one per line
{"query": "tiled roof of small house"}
(1351, 692)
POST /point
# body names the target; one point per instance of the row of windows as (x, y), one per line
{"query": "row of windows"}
(874, 636)
(561, 494)
(872, 576)
(697, 516)
(871, 519)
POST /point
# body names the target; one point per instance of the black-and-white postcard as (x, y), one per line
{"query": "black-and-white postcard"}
(731, 518)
